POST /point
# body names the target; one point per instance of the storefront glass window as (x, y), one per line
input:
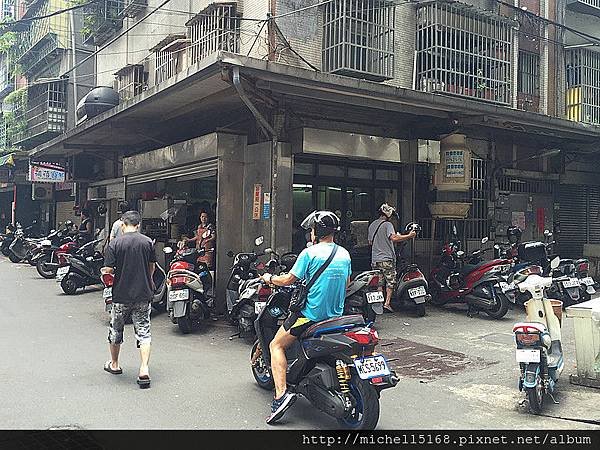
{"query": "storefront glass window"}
(386, 175)
(303, 201)
(330, 197)
(360, 204)
(358, 173)
(303, 168)
(327, 170)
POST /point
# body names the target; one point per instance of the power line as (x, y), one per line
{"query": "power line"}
(52, 14)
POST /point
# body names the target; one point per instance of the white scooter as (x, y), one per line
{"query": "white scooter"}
(539, 350)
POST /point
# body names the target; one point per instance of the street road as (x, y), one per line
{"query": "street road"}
(54, 347)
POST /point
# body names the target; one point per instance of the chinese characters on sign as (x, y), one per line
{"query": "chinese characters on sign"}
(455, 164)
(256, 201)
(46, 173)
(267, 205)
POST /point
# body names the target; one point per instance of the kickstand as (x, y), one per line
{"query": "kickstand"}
(553, 399)
(234, 335)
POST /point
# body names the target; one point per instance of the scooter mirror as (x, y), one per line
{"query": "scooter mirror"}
(485, 239)
(547, 233)
(230, 254)
(497, 247)
(555, 262)
(268, 250)
(460, 253)
(167, 250)
(259, 240)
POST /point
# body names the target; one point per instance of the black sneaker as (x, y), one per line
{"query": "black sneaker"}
(280, 406)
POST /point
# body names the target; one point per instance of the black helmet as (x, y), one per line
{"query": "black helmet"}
(514, 234)
(323, 222)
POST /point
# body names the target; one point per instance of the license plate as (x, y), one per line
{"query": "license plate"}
(107, 292)
(62, 271)
(258, 307)
(375, 297)
(588, 281)
(371, 367)
(571, 283)
(180, 294)
(507, 287)
(418, 291)
(528, 355)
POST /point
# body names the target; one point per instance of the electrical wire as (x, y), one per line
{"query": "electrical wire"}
(46, 16)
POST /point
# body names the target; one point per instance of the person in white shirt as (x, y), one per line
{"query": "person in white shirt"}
(116, 229)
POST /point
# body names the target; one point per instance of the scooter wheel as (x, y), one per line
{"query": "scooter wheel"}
(261, 371)
(14, 258)
(184, 324)
(365, 414)
(42, 268)
(535, 396)
(69, 285)
(420, 309)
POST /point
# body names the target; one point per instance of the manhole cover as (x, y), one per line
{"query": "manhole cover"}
(57, 437)
(415, 360)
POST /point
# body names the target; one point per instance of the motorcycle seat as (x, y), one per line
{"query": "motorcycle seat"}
(527, 327)
(333, 325)
(468, 268)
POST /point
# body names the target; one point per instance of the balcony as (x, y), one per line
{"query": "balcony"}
(39, 114)
(101, 21)
(132, 8)
(6, 78)
(591, 7)
(583, 85)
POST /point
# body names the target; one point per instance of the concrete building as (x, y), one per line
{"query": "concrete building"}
(462, 114)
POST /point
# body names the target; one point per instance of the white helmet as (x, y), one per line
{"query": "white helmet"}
(387, 210)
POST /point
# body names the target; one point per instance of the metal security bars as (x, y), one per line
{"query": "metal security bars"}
(131, 81)
(169, 57)
(477, 225)
(215, 28)
(464, 51)
(528, 82)
(583, 85)
(358, 38)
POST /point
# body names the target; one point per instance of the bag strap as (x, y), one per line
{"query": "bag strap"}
(322, 268)
(375, 234)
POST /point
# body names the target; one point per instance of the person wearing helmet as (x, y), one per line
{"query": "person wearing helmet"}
(514, 234)
(382, 238)
(325, 298)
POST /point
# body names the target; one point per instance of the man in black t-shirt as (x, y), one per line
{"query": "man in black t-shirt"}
(131, 258)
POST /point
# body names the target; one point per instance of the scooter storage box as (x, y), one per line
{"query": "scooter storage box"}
(532, 251)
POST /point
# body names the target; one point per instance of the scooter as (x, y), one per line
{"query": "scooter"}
(57, 242)
(411, 288)
(333, 364)
(7, 238)
(83, 268)
(23, 247)
(539, 350)
(189, 289)
(476, 283)
(588, 286)
(364, 295)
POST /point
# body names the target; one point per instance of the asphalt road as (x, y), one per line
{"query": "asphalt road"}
(54, 346)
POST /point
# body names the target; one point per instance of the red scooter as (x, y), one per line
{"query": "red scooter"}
(477, 283)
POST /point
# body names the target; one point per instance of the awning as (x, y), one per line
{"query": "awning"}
(7, 160)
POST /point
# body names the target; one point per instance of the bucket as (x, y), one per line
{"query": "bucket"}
(556, 308)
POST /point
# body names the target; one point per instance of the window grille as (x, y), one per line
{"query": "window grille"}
(529, 73)
(515, 185)
(213, 29)
(46, 108)
(585, 6)
(464, 51)
(583, 85)
(477, 225)
(130, 81)
(358, 38)
(169, 56)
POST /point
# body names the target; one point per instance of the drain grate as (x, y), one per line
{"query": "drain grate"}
(415, 360)
(67, 437)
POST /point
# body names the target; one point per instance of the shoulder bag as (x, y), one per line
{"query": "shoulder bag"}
(300, 295)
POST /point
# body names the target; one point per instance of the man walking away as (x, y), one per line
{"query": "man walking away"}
(131, 258)
(382, 238)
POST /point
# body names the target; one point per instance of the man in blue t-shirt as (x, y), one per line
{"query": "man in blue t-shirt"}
(325, 298)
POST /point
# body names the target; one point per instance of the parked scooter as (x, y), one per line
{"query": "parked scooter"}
(24, 247)
(333, 364)
(588, 286)
(83, 268)
(6, 238)
(57, 243)
(411, 287)
(474, 282)
(364, 295)
(189, 288)
(539, 350)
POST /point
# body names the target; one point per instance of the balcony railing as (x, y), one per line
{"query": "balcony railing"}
(101, 20)
(131, 8)
(591, 7)
(583, 85)
(44, 114)
(6, 78)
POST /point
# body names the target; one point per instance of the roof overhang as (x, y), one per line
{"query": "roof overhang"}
(201, 99)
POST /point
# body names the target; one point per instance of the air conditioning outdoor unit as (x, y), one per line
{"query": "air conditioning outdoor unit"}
(41, 191)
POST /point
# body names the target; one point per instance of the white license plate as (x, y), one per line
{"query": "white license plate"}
(107, 292)
(418, 291)
(588, 281)
(507, 287)
(180, 294)
(371, 367)
(375, 297)
(528, 355)
(258, 307)
(62, 271)
(571, 283)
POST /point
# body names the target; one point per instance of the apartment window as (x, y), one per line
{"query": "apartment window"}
(131, 81)
(215, 28)
(169, 57)
(529, 73)
(358, 38)
(464, 51)
(583, 85)
(477, 225)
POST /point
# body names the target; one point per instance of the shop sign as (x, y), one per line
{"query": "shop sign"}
(267, 205)
(256, 201)
(46, 173)
(455, 164)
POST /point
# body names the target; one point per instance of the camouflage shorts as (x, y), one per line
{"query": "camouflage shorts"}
(140, 316)
(388, 268)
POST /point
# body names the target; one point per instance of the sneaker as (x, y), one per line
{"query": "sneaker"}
(280, 406)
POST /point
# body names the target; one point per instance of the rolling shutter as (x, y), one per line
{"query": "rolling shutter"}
(573, 218)
(201, 169)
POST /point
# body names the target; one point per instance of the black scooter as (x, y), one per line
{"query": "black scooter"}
(332, 364)
(6, 239)
(82, 269)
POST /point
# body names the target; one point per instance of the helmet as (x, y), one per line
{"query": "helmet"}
(68, 223)
(323, 222)
(514, 234)
(412, 226)
(387, 210)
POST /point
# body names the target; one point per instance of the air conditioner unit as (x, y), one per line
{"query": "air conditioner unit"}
(41, 191)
